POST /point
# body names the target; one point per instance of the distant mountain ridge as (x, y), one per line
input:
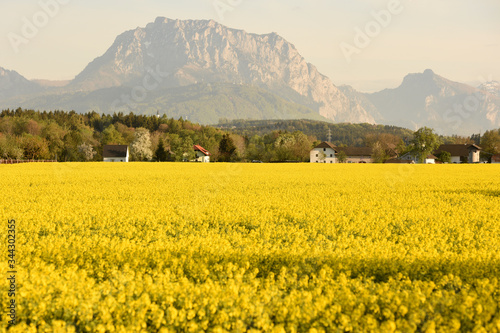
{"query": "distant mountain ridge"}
(205, 71)
(13, 83)
(427, 99)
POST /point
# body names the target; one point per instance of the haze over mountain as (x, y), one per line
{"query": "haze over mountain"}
(12, 84)
(205, 71)
(427, 99)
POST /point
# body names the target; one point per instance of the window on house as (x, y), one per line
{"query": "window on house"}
(316, 155)
(324, 149)
(331, 155)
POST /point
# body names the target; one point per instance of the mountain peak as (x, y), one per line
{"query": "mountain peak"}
(188, 52)
(13, 83)
(428, 73)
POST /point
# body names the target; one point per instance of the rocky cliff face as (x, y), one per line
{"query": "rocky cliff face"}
(189, 52)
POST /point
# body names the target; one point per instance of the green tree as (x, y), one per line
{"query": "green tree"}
(10, 148)
(35, 147)
(161, 153)
(54, 134)
(341, 157)
(445, 157)
(227, 149)
(111, 136)
(424, 142)
(490, 142)
(185, 152)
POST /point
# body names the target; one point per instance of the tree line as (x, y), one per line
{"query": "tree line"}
(70, 136)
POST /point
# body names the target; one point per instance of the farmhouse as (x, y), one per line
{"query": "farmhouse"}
(357, 154)
(115, 153)
(495, 159)
(202, 155)
(413, 156)
(323, 153)
(461, 153)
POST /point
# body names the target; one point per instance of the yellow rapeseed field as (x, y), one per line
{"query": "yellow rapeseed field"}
(148, 247)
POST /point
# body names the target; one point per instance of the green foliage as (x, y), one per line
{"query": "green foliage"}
(161, 153)
(341, 157)
(227, 149)
(34, 147)
(424, 142)
(342, 134)
(445, 157)
(110, 136)
(490, 142)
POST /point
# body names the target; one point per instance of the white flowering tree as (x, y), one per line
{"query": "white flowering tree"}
(87, 151)
(141, 146)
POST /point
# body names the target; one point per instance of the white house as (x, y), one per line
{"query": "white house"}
(461, 153)
(115, 153)
(202, 155)
(412, 156)
(323, 153)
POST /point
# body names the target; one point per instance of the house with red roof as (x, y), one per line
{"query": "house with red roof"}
(202, 155)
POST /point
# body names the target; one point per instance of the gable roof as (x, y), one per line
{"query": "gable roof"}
(201, 149)
(114, 151)
(457, 150)
(325, 144)
(356, 151)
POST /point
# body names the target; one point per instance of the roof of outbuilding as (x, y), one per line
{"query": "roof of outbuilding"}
(114, 151)
(356, 151)
(201, 149)
(457, 150)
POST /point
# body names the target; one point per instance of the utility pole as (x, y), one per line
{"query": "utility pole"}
(329, 135)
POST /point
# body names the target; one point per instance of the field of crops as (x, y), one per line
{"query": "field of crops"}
(148, 247)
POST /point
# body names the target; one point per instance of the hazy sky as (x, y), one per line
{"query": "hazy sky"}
(458, 39)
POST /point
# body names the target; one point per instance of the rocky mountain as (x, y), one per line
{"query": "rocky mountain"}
(13, 84)
(427, 99)
(173, 53)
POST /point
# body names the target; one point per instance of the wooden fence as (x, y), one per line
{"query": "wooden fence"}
(26, 161)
